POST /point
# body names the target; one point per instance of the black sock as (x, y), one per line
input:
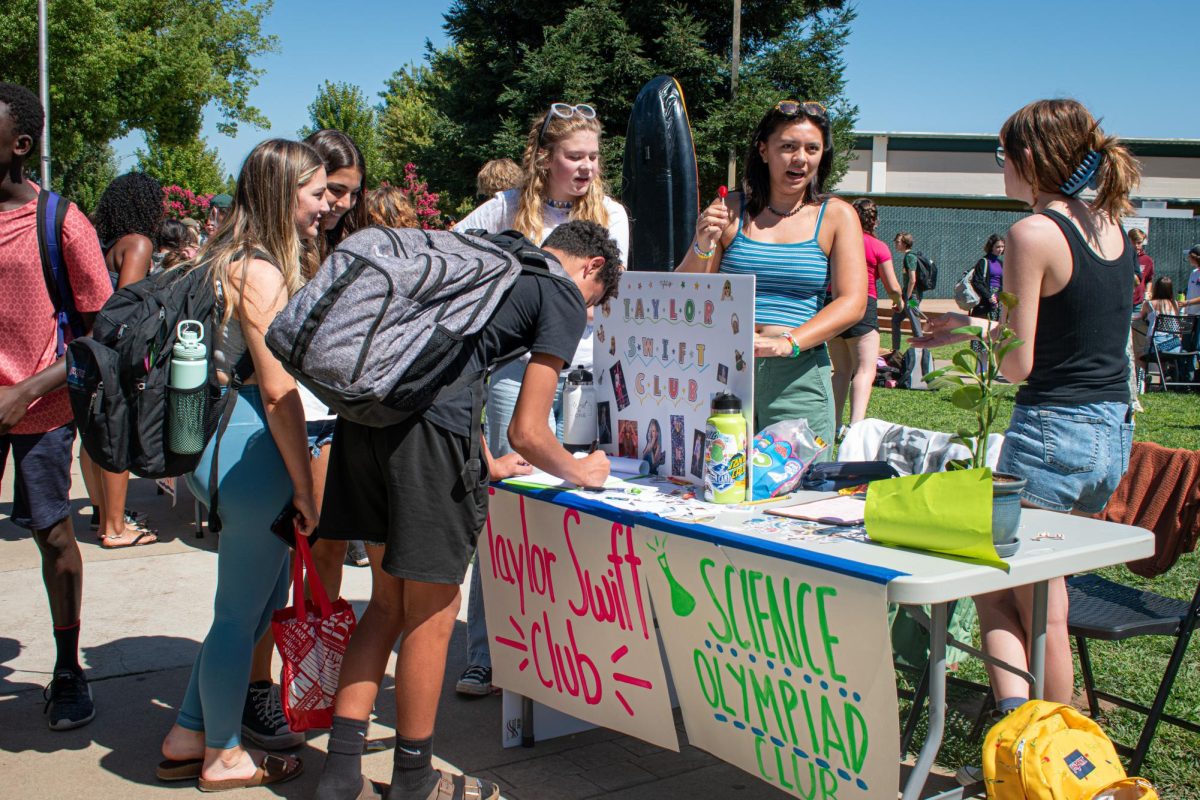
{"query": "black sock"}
(413, 775)
(66, 641)
(342, 776)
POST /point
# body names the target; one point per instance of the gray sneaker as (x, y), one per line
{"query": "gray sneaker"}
(68, 701)
(476, 680)
(969, 775)
(263, 722)
(356, 554)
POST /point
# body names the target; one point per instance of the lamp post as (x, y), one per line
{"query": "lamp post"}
(44, 91)
(731, 179)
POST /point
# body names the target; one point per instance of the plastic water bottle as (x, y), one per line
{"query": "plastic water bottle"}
(187, 386)
(579, 411)
(725, 451)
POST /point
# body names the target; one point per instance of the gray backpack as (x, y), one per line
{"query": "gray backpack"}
(390, 318)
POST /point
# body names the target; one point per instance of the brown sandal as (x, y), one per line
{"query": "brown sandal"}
(462, 787)
(272, 769)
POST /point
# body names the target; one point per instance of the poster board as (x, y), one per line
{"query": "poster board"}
(568, 617)
(662, 349)
(781, 669)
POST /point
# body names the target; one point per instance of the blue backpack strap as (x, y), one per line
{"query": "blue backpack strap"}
(51, 212)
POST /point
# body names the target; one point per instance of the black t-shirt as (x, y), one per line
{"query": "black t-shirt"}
(539, 314)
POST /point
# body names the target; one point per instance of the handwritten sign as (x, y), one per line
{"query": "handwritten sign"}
(782, 670)
(662, 350)
(569, 617)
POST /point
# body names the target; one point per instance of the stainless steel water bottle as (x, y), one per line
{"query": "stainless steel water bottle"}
(187, 389)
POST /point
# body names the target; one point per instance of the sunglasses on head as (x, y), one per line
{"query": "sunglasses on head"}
(565, 111)
(793, 108)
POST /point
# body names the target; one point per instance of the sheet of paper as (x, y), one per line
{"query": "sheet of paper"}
(841, 510)
(943, 512)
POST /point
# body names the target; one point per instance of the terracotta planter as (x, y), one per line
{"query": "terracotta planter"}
(1006, 513)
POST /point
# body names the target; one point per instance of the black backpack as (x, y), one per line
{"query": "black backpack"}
(927, 273)
(117, 377)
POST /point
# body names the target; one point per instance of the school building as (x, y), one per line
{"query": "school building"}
(946, 190)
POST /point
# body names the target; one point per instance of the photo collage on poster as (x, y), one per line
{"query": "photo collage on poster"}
(663, 349)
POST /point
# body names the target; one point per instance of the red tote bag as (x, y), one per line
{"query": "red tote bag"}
(311, 642)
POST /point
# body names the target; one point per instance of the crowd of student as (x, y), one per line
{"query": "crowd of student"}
(816, 262)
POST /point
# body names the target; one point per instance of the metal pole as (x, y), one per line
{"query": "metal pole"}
(44, 91)
(731, 178)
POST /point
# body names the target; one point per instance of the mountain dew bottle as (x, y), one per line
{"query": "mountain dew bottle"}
(725, 451)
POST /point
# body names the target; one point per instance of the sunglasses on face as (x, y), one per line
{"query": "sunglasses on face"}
(793, 108)
(565, 111)
(1000, 156)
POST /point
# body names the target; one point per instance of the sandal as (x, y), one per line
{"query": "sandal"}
(140, 538)
(462, 787)
(272, 769)
(184, 769)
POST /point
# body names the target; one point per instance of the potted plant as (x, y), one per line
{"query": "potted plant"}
(974, 376)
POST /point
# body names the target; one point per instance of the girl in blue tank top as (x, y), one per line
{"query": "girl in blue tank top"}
(1070, 267)
(795, 241)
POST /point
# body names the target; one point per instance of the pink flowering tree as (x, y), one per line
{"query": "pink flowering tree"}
(423, 201)
(181, 203)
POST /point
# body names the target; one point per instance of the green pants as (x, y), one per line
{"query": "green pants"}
(796, 388)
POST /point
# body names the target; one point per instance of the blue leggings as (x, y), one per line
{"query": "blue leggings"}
(252, 569)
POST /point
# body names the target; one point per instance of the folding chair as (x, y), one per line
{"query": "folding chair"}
(1182, 362)
(1111, 611)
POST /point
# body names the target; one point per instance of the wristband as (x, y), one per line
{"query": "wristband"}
(795, 346)
(700, 253)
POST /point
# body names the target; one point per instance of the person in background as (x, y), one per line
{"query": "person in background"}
(797, 241)
(1191, 301)
(259, 257)
(218, 209)
(195, 229)
(986, 278)
(497, 175)
(562, 181)
(908, 267)
(1145, 267)
(127, 218)
(173, 244)
(1160, 301)
(855, 351)
(388, 206)
(36, 423)
(1070, 266)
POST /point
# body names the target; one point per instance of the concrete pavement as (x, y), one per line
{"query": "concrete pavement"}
(145, 612)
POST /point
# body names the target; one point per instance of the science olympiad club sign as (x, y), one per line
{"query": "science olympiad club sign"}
(568, 617)
(781, 669)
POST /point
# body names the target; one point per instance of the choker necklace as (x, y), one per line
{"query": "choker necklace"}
(563, 205)
(785, 214)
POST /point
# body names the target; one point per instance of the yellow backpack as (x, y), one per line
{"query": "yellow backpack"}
(1049, 751)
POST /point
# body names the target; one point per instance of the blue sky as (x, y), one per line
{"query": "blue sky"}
(923, 65)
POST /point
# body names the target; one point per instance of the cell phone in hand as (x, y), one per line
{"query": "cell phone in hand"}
(284, 525)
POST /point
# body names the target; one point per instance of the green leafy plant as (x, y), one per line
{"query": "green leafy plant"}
(974, 378)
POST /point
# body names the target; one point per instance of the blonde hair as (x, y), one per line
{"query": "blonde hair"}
(1058, 135)
(262, 217)
(1137, 235)
(387, 206)
(496, 176)
(530, 218)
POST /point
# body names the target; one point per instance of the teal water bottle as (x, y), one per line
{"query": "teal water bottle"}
(187, 386)
(725, 451)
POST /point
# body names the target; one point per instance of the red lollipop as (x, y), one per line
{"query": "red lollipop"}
(722, 192)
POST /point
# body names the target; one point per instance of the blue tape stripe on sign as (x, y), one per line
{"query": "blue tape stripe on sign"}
(707, 533)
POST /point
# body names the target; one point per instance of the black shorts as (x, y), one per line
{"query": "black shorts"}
(869, 322)
(42, 484)
(402, 486)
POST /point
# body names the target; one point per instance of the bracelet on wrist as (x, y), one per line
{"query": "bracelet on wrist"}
(702, 254)
(795, 345)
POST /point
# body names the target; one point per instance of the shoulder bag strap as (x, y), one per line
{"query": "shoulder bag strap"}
(241, 373)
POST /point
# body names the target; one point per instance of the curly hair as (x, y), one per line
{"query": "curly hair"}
(387, 206)
(586, 239)
(25, 111)
(132, 203)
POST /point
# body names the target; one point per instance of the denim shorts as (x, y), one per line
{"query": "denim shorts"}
(320, 433)
(1072, 457)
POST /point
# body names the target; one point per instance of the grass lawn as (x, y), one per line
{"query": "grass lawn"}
(1131, 668)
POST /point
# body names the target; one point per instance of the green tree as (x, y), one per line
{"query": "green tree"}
(84, 178)
(507, 61)
(123, 65)
(191, 165)
(343, 107)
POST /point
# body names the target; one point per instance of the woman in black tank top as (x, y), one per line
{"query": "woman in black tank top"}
(1071, 268)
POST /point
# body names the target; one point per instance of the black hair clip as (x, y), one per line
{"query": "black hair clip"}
(1083, 176)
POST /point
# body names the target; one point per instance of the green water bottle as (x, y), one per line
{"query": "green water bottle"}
(725, 451)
